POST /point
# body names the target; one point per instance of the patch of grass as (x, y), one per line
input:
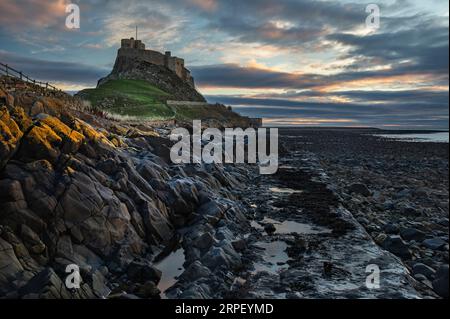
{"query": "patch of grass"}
(136, 98)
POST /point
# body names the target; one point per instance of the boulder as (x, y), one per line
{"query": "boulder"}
(391, 229)
(10, 267)
(10, 134)
(434, 243)
(71, 139)
(147, 290)
(142, 271)
(211, 211)
(397, 246)
(441, 283)
(11, 191)
(45, 285)
(32, 240)
(411, 211)
(6, 98)
(422, 269)
(412, 234)
(195, 271)
(40, 143)
(222, 255)
(360, 189)
(37, 108)
(269, 228)
(204, 241)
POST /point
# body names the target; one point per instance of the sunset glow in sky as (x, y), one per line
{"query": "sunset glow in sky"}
(293, 62)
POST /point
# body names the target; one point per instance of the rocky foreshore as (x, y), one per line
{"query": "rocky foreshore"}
(398, 191)
(79, 189)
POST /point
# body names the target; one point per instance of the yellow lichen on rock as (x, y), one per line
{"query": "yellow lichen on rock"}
(72, 139)
(41, 143)
(91, 134)
(11, 126)
(22, 119)
(10, 134)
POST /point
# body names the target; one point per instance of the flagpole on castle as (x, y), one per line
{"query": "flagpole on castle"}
(136, 33)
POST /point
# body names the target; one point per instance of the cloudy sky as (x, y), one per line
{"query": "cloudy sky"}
(293, 62)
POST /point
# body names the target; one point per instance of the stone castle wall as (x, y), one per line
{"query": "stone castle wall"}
(131, 48)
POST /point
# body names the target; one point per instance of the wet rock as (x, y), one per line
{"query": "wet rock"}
(412, 234)
(98, 283)
(45, 285)
(441, 283)
(148, 290)
(224, 233)
(397, 246)
(443, 222)
(411, 211)
(204, 241)
(32, 240)
(239, 245)
(195, 271)
(217, 257)
(10, 266)
(434, 243)
(211, 211)
(197, 291)
(391, 229)
(360, 189)
(420, 277)
(269, 228)
(142, 271)
(124, 295)
(156, 222)
(380, 238)
(422, 269)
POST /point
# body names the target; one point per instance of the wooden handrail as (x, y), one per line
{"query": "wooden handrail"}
(9, 71)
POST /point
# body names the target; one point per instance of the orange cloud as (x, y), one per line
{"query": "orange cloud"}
(404, 80)
(35, 13)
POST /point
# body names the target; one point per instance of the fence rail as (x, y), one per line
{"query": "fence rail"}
(9, 71)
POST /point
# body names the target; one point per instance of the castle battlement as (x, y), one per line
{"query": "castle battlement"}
(132, 48)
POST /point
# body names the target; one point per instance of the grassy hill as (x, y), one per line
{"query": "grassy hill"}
(136, 98)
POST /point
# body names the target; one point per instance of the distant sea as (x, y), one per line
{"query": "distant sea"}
(441, 137)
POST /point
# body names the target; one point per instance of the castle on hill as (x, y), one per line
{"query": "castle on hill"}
(133, 48)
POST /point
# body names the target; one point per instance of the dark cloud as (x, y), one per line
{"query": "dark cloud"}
(421, 50)
(72, 73)
(427, 109)
(232, 75)
(405, 96)
(301, 21)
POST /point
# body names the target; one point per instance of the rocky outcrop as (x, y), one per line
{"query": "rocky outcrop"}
(157, 75)
(97, 194)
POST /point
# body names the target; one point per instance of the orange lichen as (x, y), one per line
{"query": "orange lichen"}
(41, 142)
(72, 139)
